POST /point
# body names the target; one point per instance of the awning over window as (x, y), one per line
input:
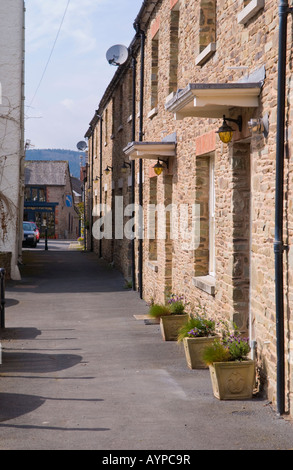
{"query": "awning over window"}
(150, 150)
(213, 100)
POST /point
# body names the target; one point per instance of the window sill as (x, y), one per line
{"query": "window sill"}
(153, 266)
(250, 10)
(205, 283)
(204, 56)
(153, 113)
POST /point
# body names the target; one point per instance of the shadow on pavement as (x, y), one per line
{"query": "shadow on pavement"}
(13, 405)
(19, 333)
(36, 363)
(65, 272)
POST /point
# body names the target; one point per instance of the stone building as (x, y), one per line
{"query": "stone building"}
(198, 65)
(11, 133)
(49, 199)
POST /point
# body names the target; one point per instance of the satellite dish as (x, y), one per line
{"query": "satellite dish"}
(117, 55)
(81, 146)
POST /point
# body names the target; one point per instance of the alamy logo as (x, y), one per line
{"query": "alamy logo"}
(153, 222)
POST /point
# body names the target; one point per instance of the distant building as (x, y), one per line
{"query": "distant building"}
(77, 189)
(49, 199)
(11, 133)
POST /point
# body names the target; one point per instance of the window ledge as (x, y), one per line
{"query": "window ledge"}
(250, 10)
(153, 266)
(205, 283)
(153, 113)
(204, 56)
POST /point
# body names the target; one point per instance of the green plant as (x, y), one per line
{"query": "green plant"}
(197, 326)
(128, 284)
(159, 310)
(238, 347)
(177, 304)
(231, 347)
(217, 352)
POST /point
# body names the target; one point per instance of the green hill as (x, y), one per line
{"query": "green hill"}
(73, 158)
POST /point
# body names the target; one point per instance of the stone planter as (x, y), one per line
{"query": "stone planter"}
(233, 380)
(193, 348)
(170, 325)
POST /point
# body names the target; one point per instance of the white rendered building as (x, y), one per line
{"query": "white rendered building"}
(11, 132)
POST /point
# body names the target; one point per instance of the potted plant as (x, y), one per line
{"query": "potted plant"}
(196, 334)
(170, 324)
(156, 311)
(232, 373)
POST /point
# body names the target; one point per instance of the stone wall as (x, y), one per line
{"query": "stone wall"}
(242, 287)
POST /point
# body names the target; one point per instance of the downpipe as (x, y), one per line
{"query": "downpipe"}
(279, 246)
(134, 64)
(141, 33)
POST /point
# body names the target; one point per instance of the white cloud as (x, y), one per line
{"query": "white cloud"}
(68, 103)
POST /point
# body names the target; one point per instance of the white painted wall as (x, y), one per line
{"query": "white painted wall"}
(11, 128)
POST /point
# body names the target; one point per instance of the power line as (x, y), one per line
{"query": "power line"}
(51, 53)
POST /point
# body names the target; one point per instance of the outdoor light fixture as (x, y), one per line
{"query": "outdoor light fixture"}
(159, 167)
(97, 178)
(259, 126)
(108, 169)
(226, 132)
(125, 166)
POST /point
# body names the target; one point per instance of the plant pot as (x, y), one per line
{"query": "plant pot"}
(193, 348)
(233, 380)
(170, 325)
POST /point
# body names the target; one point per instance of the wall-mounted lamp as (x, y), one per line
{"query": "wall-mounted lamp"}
(159, 167)
(97, 178)
(259, 126)
(226, 132)
(108, 169)
(125, 166)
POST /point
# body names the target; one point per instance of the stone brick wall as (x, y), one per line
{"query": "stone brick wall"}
(242, 287)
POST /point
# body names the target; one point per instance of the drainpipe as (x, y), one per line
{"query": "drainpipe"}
(141, 108)
(134, 63)
(101, 177)
(92, 190)
(279, 246)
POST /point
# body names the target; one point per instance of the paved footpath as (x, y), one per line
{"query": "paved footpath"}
(80, 372)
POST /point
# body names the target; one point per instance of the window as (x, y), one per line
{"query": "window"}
(212, 201)
(207, 31)
(205, 258)
(153, 220)
(106, 127)
(155, 71)
(35, 194)
(174, 49)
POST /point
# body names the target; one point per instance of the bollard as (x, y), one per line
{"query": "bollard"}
(46, 239)
(2, 298)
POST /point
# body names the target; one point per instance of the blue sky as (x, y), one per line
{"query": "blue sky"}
(61, 102)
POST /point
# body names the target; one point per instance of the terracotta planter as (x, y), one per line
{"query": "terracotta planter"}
(170, 325)
(193, 348)
(233, 380)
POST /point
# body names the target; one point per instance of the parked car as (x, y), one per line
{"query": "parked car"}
(29, 236)
(36, 230)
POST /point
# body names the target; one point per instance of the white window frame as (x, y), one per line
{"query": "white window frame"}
(212, 217)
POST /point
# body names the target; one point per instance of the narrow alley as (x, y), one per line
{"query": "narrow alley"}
(80, 372)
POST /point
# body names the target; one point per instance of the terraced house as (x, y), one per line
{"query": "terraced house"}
(187, 129)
